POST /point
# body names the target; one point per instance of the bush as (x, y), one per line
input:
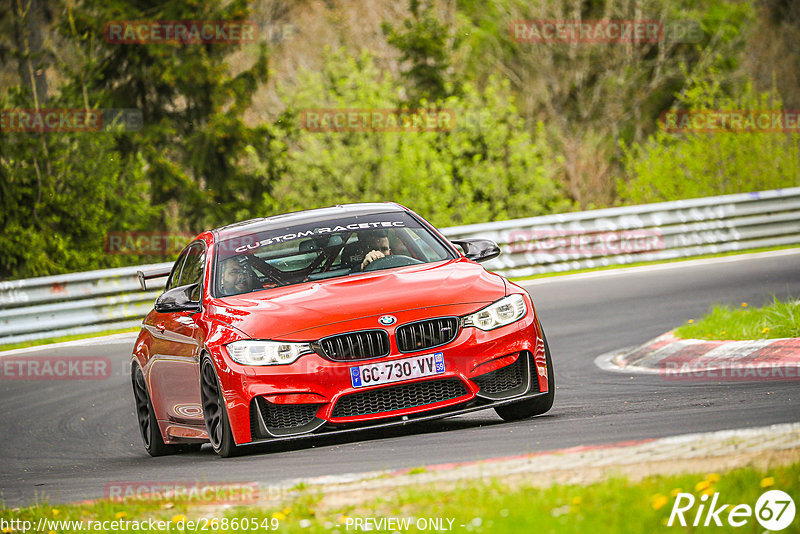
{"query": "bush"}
(62, 193)
(672, 166)
(488, 167)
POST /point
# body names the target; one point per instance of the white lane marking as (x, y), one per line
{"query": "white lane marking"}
(113, 339)
(658, 267)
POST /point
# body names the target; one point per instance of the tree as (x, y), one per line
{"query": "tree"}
(670, 166)
(591, 95)
(487, 167)
(425, 45)
(62, 192)
(194, 136)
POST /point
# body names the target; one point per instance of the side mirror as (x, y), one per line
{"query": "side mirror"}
(178, 299)
(478, 249)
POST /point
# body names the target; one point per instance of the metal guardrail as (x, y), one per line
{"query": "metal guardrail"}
(74, 303)
(108, 299)
(617, 236)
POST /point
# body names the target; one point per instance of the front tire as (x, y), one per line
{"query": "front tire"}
(214, 414)
(536, 406)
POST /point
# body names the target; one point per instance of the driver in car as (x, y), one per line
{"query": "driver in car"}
(378, 245)
(237, 277)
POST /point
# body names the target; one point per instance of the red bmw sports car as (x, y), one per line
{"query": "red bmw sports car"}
(331, 320)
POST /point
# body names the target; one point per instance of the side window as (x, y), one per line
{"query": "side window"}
(192, 272)
(175, 275)
(426, 249)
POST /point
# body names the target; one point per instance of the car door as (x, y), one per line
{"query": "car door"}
(174, 369)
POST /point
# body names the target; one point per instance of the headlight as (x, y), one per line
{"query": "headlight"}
(266, 352)
(504, 311)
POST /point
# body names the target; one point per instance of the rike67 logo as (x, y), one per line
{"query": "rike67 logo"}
(774, 510)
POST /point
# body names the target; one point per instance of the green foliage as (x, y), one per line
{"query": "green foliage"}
(61, 193)
(592, 95)
(488, 167)
(425, 45)
(194, 134)
(185, 169)
(670, 166)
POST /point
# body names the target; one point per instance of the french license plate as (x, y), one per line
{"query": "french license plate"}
(397, 370)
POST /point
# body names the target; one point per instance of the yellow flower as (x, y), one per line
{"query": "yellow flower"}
(287, 510)
(691, 321)
(56, 511)
(708, 491)
(702, 485)
(178, 518)
(120, 515)
(744, 304)
(767, 482)
(675, 492)
(576, 501)
(658, 501)
(343, 519)
(280, 516)
(765, 330)
(52, 532)
(6, 530)
(712, 477)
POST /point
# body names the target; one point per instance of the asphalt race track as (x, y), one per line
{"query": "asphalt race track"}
(67, 440)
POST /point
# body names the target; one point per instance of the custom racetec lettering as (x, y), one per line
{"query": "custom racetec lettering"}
(383, 221)
(291, 236)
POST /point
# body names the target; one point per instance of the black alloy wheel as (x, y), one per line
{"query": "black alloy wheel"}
(148, 426)
(214, 414)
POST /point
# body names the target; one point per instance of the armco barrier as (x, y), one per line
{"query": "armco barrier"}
(106, 299)
(662, 231)
(74, 303)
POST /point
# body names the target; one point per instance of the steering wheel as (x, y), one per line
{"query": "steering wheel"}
(387, 262)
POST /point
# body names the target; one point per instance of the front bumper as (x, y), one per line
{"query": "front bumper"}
(314, 395)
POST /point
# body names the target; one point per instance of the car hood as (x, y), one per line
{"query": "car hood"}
(280, 312)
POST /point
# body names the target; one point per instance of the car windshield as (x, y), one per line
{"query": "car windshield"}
(323, 249)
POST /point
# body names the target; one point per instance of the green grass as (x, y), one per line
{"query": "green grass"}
(778, 319)
(655, 262)
(59, 339)
(616, 505)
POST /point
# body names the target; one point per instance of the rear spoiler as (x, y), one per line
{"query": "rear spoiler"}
(149, 275)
